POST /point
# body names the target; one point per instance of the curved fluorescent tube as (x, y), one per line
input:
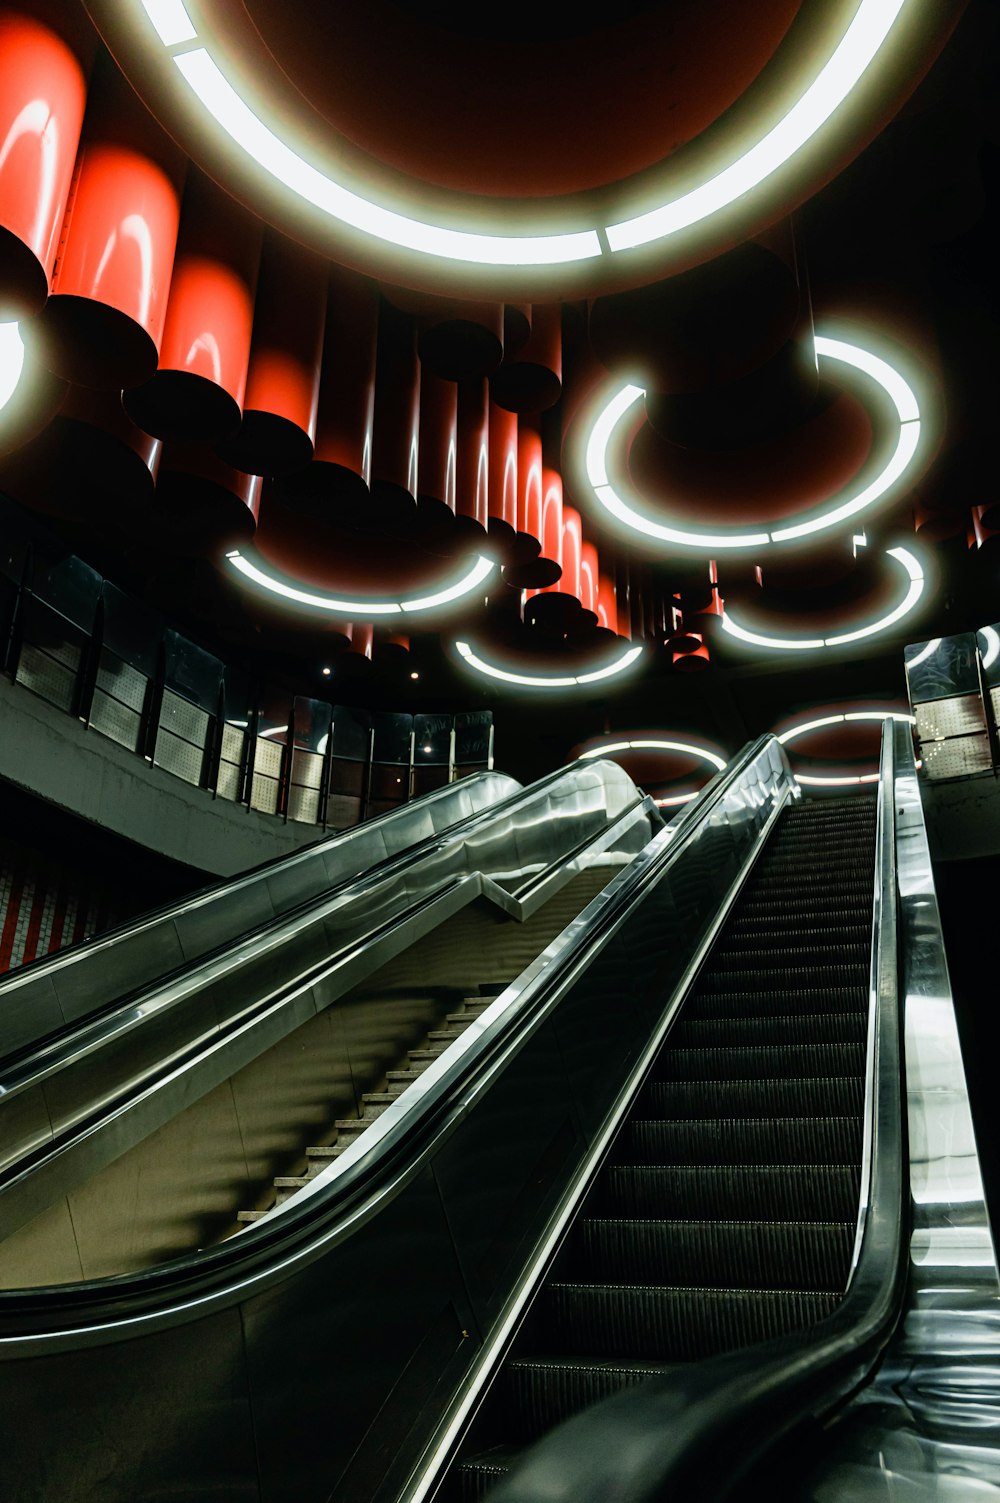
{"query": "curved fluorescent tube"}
(928, 651)
(895, 387)
(246, 130)
(11, 361)
(860, 44)
(992, 646)
(539, 681)
(797, 644)
(843, 782)
(815, 725)
(353, 609)
(655, 744)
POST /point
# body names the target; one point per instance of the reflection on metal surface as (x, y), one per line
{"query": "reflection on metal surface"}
(928, 1427)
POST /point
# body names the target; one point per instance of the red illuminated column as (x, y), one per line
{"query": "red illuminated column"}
(438, 456)
(43, 91)
(572, 547)
(197, 392)
(531, 380)
(337, 479)
(362, 634)
(103, 324)
(607, 604)
(692, 659)
(503, 444)
(553, 540)
(396, 431)
(589, 578)
(282, 387)
(461, 341)
(473, 472)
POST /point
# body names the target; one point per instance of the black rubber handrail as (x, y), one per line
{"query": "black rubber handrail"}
(223, 1273)
(695, 1432)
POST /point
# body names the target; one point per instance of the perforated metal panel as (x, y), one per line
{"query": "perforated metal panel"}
(117, 721)
(179, 757)
(46, 677)
(342, 811)
(267, 758)
(120, 681)
(960, 715)
(307, 769)
(303, 804)
(184, 719)
(233, 739)
(956, 757)
(995, 705)
(230, 782)
(264, 794)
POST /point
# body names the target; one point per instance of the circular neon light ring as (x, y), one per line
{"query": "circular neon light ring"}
(480, 665)
(992, 646)
(192, 54)
(810, 780)
(621, 404)
(11, 362)
(660, 744)
(915, 589)
(252, 570)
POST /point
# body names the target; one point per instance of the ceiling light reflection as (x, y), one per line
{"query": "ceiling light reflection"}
(351, 609)
(546, 681)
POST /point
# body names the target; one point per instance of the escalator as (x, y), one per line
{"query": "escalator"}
(639, 1221)
(727, 1210)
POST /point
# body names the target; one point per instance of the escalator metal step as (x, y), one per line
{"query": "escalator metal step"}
(776, 1002)
(837, 1097)
(728, 1192)
(723, 1254)
(541, 1392)
(741, 955)
(741, 1140)
(668, 1324)
(770, 977)
(477, 1476)
(749, 1062)
(792, 1028)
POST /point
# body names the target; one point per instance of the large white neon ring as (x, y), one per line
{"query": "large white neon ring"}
(658, 743)
(810, 780)
(480, 665)
(899, 392)
(353, 610)
(915, 575)
(863, 39)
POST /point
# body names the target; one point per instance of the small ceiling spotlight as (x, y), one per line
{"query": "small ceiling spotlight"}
(327, 672)
(414, 674)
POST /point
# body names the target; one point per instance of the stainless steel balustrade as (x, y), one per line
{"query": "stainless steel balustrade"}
(75, 1103)
(67, 986)
(330, 1351)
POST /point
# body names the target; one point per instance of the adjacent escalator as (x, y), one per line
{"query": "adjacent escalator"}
(726, 1211)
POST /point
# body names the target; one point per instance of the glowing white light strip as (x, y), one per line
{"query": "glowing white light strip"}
(927, 652)
(814, 725)
(655, 744)
(678, 798)
(353, 609)
(992, 646)
(843, 780)
(856, 50)
(538, 681)
(798, 644)
(621, 403)
(853, 55)
(247, 131)
(11, 361)
(170, 20)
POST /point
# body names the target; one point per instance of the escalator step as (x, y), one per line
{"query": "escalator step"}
(776, 1002)
(842, 928)
(727, 1192)
(746, 1140)
(721, 1254)
(791, 909)
(542, 1392)
(744, 953)
(666, 1324)
(480, 1473)
(748, 1062)
(677, 1099)
(769, 977)
(792, 1028)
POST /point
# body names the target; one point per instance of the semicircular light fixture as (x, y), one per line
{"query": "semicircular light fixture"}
(989, 657)
(659, 743)
(615, 499)
(481, 665)
(11, 361)
(845, 780)
(196, 55)
(251, 569)
(915, 588)
(927, 651)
